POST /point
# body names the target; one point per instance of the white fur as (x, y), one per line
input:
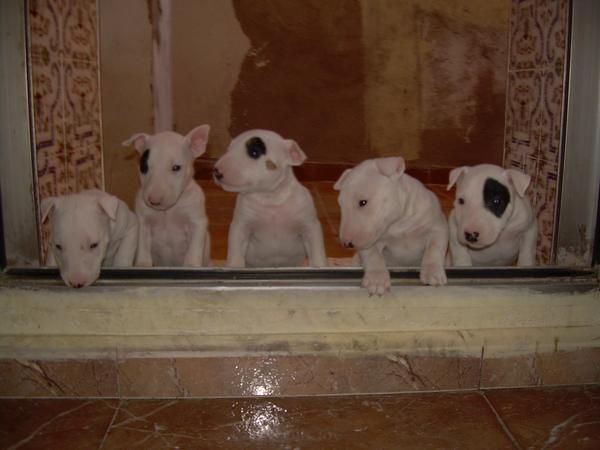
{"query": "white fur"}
(402, 223)
(503, 240)
(274, 223)
(89, 230)
(170, 205)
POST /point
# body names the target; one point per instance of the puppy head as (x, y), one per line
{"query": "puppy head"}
(257, 161)
(369, 195)
(79, 233)
(167, 163)
(484, 202)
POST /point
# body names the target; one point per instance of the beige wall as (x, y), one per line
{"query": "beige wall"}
(126, 79)
(348, 80)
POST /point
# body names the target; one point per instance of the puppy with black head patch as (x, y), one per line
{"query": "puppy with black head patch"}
(492, 223)
(275, 222)
(170, 205)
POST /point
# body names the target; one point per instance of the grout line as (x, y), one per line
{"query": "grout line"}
(501, 422)
(110, 424)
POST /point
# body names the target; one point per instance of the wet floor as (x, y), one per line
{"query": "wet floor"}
(553, 418)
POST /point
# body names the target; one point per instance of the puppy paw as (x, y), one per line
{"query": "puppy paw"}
(433, 274)
(377, 282)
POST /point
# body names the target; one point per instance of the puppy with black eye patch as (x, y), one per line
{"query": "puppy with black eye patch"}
(275, 222)
(170, 205)
(492, 222)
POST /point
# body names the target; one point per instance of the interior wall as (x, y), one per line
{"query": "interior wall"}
(126, 75)
(349, 80)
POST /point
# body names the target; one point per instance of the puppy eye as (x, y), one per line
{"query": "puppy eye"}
(58, 246)
(496, 201)
(362, 203)
(461, 201)
(253, 152)
(93, 246)
(176, 168)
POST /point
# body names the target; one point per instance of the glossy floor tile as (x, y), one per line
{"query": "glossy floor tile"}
(220, 205)
(565, 418)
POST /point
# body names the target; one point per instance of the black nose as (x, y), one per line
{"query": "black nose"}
(472, 237)
(348, 244)
(217, 174)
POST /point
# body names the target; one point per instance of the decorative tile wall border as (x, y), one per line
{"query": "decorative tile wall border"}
(534, 105)
(65, 96)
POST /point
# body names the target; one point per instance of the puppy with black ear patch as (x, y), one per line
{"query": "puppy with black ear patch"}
(275, 222)
(170, 205)
(492, 223)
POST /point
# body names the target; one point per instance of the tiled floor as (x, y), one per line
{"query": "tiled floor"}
(220, 204)
(559, 418)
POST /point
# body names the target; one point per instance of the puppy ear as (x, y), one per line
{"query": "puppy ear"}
(455, 174)
(519, 180)
(197, 140)
(393, 166)
(109, 204)
(139, 141)
(295, 154)
(338, 184)
(48, 205)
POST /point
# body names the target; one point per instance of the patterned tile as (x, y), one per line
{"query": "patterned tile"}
(550, 118)
(80, 30)
(83, 131)
(551, 18)
(526, 36)
(546, 197)
(524, 95)
(65, 92)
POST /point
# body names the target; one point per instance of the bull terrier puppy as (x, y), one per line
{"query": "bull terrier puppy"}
(88, 230)
(492, 223)
(274, 223)
(170, 205)
(392, 220)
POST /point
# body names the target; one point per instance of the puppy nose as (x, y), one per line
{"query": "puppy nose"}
(471, 237)
(348, 244)
(155, 201)
(217, 174)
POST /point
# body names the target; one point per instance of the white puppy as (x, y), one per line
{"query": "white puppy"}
(88, 230)
(492, 223)
(274, 223)
(391, 219)
(170, 205)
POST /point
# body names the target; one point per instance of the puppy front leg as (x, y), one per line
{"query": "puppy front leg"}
(196, 246)
(144, 255)
(432, 264)
(237, 245)
(527, 246)
(314, 245)
(458, 252)
(376, 278)
(126, 252)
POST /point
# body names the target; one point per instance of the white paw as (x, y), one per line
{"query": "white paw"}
(433, 274)
(377, 282)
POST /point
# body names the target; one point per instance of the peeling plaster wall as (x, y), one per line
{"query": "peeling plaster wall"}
(348, 80)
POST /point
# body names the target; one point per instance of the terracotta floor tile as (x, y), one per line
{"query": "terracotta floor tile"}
(420, 421)
(54, 424)
(560, 418)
